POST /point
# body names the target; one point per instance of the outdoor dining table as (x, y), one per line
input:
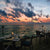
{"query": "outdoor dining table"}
(14, 40)
(1, 44)
(18, 39)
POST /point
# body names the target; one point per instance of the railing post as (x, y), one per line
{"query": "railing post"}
(2, 30)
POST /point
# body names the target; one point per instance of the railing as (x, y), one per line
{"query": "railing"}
(4, 30)
(7, 30)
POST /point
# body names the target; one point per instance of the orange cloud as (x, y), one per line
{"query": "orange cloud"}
(23, 18)
(9, 9)
(41, 19)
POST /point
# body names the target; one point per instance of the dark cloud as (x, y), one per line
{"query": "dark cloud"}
(16, 11)
(7, 1)
(48, 0)
(12, 12)
(13, 19)
(3, 13)
(18, 3)
(47, 16)
(28, 13)
(18, 19)
(11, 15)
(0, 20)
(30, 5)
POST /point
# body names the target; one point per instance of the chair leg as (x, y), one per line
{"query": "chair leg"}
(39, 40)
(36, 39)
(24, 48)
(30, 47)
(21, 48)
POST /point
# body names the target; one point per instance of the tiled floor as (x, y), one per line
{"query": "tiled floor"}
(40, 46)
(44, 45)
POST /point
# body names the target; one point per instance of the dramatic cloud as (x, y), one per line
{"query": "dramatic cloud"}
(41, 19)
(28, 13)
(30, 5)
(7, 1)
(48, 0)
(0, 19)
(3, 13)
(15, 11)
(18, 19)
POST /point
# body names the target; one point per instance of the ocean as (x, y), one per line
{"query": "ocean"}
(22, 29)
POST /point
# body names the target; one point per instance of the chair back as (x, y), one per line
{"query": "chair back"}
(31, 39)
(26, 39)
(38, 32)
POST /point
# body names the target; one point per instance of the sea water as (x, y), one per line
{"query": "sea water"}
(22, 29)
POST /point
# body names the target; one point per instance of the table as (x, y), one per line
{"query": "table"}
(13, 40)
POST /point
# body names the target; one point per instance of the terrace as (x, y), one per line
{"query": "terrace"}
(38, 42)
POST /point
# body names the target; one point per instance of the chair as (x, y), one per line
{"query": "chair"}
(39, 35)
(1, 45)
(5, 47)
(47, 37)
(26, 43)
(11, 47)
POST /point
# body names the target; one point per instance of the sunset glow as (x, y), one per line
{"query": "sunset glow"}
(21, 11)
(24, 18)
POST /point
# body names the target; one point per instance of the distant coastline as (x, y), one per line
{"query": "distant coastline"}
(22, 23)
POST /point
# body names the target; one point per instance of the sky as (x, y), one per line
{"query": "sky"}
(37, 11)
(43, 5)
(38, 5)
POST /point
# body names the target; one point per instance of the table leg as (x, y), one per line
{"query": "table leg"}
(1, 46)
(13, 43)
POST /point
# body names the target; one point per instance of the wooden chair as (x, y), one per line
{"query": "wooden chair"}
(26, 43)
(38, 33)
(11, 47)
